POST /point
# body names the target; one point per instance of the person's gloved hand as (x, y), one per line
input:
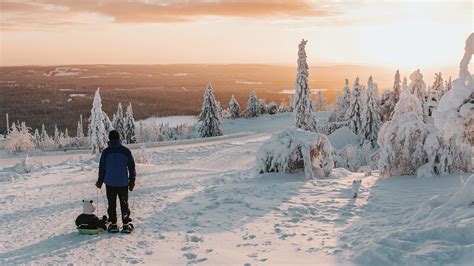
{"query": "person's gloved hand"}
(98, 185)
(131, 186)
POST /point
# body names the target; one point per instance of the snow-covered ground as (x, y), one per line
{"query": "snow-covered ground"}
(202, 202)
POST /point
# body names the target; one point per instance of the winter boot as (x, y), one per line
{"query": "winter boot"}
(127, 228)
(113, 228)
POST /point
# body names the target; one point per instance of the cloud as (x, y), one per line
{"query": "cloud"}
(21, 14)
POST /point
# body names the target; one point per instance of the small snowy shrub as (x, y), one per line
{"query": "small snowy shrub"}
(19, 139)
(296, 149)
(27, 166)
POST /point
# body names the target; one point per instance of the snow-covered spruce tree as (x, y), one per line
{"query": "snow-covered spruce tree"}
(118, 122)
(282, 108)
(234, 107)
(37, 138)
(386, 105)
(129, 125)
(321, 101)
(209, 116)
(253, 106)
(107, 123)
(343, 102)
(97, 129)
(46, 141)
(397, 87)
(56, 136)
(454, 116)
(354, 111)
(272, 108)
(79, 132)
(438, 84)
(401, 139)
(303, 105)
(371, 116)
(448, 86)
(417, 86)
(262, 106)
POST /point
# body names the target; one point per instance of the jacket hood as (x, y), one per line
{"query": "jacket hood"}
(114, 143)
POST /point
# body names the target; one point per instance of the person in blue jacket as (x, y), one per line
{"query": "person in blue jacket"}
(117, 171)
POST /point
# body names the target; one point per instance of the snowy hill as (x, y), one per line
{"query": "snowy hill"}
(202, 202)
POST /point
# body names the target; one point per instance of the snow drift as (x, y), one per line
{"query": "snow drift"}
(293, 149)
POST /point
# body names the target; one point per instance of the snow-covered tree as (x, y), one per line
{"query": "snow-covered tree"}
(303, 105)
(294, 148)
(283, 108)
(438, 84)
(107, 123)
(417, 86)
(354, 111)
(98, 134)
(397, 87)
(234, 108)
(209, 116)
(343, 102)
(79, 132)
(321, 101)
(37, 138)
(448, 86)
(371, 116)
(387, 105)
(454, 116)
(129, 125)
(401, 139)
(253, 106)
(118, 122)
(20, 138)
(262, 105)
(57, 135)
(272, 108)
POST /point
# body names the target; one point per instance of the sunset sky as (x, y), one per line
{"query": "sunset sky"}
(400, 34)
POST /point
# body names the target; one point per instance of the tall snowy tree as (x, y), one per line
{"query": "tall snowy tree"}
(107, 123)
(343, 102)
(37, 138)
(234, 108)
(417, 85)
(118, 122)
(79, 132)
(209, 116)
(371, 116)
(438, 84)
(303, 105)
(387, 105)
(129, 125)
(321, 101)
(354, 111)
(397, 87)
(448, 86)
(253, 106)
(97, 129)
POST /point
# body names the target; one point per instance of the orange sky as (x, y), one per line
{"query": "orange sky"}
(402, 34)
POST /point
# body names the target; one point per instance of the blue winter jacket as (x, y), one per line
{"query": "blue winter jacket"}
(116, 167)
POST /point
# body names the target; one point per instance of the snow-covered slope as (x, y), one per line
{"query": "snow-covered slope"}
(202, 202)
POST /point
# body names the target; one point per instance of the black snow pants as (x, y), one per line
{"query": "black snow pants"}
(122, 193)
